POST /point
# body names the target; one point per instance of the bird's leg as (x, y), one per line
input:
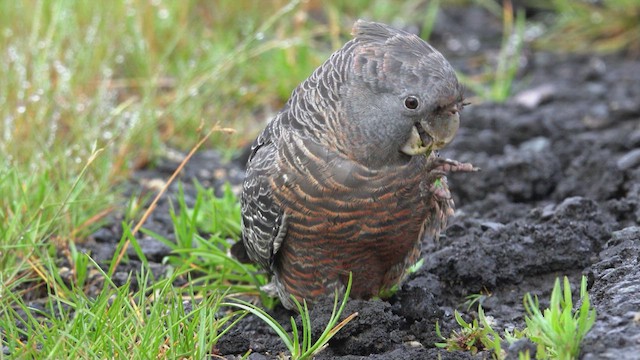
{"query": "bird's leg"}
(438, 170)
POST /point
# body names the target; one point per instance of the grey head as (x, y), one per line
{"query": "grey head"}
(401, 97)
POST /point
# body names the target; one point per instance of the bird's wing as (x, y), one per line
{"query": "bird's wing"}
(263, 220)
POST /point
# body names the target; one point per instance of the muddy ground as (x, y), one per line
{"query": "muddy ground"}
(558, 194)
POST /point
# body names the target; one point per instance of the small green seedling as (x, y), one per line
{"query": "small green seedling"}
(305, 348)
(559, 330)
(389, 292)
(474, 336)
(475, 299)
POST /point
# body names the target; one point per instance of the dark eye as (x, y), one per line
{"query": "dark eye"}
(411, 102)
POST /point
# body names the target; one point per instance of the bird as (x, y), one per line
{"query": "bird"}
(346, 179)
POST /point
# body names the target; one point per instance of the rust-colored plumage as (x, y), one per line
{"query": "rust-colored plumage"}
(345, 177)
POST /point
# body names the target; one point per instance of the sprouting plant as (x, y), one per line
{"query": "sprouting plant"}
(473, 336)
(415, 267)
(479, 298)
(80, 263)
(219, 215)
(559, 330)
(304, 348)
(389, 292)
(496, 84)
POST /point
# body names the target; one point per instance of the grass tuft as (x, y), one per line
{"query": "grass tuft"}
(496, 83)
(474, 336)
(557, 331)
(151, 319)
(607, 26)
(304, 348)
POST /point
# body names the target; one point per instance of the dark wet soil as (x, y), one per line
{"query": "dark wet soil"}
(558, 194)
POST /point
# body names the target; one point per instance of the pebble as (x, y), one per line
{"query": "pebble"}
(628, 233)
(629, 160)
(531, 98)
(537, 144)
(153, 249)
(491, 225)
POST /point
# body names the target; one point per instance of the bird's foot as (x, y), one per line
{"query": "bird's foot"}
(439, 189)
(450, 166)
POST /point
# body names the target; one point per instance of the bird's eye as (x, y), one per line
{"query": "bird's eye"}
(411, 102)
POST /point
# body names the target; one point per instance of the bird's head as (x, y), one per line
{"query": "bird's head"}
(402, 97)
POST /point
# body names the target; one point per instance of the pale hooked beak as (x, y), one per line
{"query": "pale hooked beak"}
(432, 134)
(419, 141)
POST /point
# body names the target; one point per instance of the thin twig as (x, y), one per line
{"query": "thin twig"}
(164, 189)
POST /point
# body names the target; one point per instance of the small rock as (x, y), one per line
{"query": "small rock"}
(491, 225)
(537, 144)
(634, 138)
(628, 233)
(256, 356)
(531, 98)
(520, 347)
(153, 184)
(153, 249)
(529, 172)
(625, 108)
(236, 342)
(598, 117)
(548, 211)
(596, 69)
(122, 277)
(103, 235)
(455, 230)
(597, 89)
(629, 160)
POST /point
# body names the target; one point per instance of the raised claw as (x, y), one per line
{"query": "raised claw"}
(450, 166)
